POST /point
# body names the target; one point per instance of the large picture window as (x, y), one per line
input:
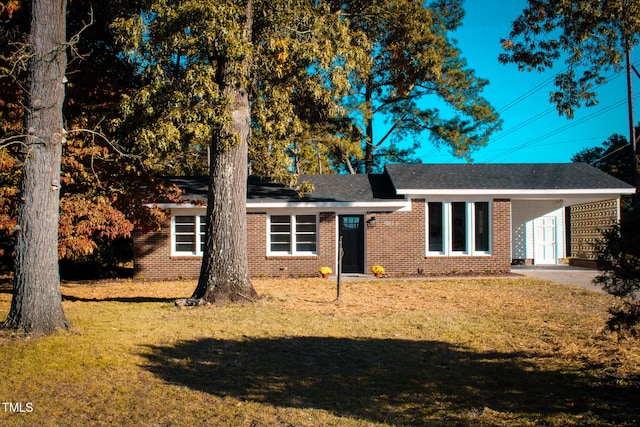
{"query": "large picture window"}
(458, 228)
(293, 234)
(188, 234)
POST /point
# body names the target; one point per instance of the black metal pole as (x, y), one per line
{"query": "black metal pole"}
(340, 253)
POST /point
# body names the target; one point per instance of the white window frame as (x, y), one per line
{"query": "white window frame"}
(199, 220)
(293, 234)
(447, 228)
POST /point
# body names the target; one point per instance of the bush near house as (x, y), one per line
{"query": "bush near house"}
(619, 265)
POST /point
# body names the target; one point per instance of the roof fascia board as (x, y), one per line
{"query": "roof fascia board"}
(390, 206)
(511, 192)
(367, 205)
(174, 205)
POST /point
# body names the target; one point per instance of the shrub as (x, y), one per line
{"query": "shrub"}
(619, 264)
(325, 270)
(377, 269)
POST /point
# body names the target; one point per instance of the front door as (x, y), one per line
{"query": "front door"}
(545, 240)
(352, 232)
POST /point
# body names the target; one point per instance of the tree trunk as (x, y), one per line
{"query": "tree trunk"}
(36, 307)
(368, 150)
(224, 275)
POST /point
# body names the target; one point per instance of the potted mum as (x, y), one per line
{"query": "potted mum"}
(378, 270)
(325, 271)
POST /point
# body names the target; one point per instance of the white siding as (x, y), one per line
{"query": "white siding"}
(524, 212)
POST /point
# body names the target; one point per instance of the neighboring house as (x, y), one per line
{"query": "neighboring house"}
(412, 219)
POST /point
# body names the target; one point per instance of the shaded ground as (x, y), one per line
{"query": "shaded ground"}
(392, 381)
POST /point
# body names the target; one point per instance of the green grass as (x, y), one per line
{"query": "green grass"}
(511, 351)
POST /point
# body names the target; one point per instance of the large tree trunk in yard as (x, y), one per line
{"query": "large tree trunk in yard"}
(224, 276)
(36, 307)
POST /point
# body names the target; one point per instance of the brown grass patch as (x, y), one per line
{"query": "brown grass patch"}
(507, 351)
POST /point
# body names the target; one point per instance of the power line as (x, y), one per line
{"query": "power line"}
(527, 94)
(607, 155)
(533, 90)
(524, 124)
(559, 130)
(556, 143)
(544, 83)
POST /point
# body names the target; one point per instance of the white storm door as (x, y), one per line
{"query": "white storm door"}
(544, 238)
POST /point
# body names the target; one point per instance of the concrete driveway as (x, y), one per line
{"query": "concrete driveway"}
(564, 274)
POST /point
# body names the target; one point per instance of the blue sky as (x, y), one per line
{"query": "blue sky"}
(532, 131)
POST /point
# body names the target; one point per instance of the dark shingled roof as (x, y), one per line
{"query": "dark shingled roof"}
(383, 187)
(349, 188)
(543, 176)
(327, 188)
(194, 187)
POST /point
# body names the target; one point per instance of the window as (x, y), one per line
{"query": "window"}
(458, 228)
(293, 235)
(306, 233)
(481, 226)
(280, 233)
(188, 234)
(435, 227)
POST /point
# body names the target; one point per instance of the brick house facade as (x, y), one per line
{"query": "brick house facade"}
(412, 220)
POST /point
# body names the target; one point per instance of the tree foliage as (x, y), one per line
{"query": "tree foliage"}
(611, 157)
(199, 63)
(413, 77)
(304, 61)
(380, 62)
(300, 61)
(589, 37)
(104, 192)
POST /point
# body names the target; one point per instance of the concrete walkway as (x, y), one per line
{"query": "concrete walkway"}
(563, 274)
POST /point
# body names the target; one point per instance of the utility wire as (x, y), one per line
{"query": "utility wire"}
(559, 130)
(609, 154)
(544, 113)
(556, 131)
(528, 93)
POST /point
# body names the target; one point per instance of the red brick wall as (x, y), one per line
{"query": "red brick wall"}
(153, 260)
(397, 242)
(262, 265)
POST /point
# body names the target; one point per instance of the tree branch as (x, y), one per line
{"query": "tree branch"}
(75, 39)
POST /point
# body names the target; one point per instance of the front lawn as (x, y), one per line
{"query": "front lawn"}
(508, 351)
